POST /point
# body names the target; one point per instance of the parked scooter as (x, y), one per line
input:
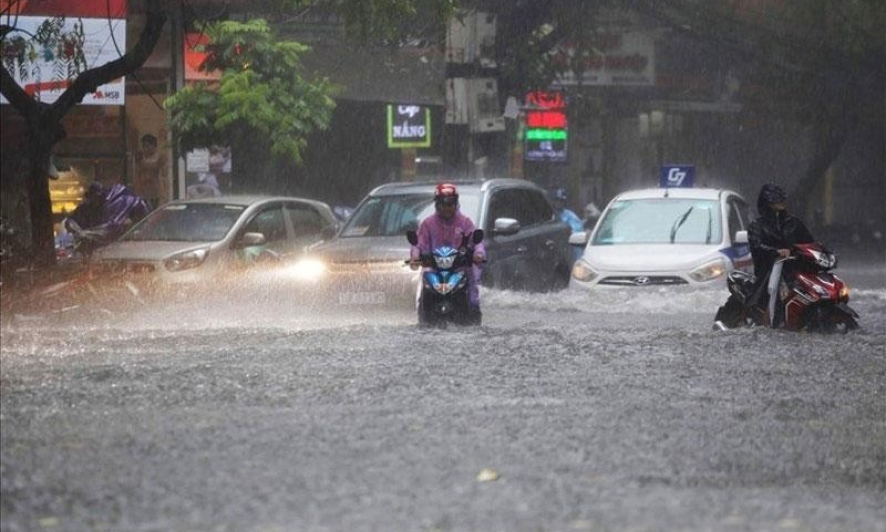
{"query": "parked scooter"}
(443, 296)
(809, 297)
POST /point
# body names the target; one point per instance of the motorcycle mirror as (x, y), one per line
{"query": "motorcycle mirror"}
(478, 235)
(412, 237)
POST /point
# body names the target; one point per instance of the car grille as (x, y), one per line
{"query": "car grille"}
(366, 267)
(127, 267)
(643, 280)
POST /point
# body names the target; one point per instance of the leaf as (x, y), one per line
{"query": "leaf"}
(487, 475)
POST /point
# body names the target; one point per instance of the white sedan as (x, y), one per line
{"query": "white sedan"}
(665, 237)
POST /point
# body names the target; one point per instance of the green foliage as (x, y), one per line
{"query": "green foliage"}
(262, 93)
(392, 20)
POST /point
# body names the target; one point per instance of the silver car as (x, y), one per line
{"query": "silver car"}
(190, 241)
(526, 246)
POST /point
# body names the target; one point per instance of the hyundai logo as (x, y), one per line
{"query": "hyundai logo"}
(641, 280)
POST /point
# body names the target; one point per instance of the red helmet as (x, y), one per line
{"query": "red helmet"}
(446, 193)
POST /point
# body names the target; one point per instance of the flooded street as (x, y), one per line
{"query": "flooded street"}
(614, 410)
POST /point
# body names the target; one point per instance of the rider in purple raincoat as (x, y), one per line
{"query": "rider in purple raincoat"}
(446, 227)
(105, 214)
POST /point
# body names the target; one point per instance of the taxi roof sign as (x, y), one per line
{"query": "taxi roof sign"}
(677, 176)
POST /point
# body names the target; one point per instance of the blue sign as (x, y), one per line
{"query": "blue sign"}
(677, 176)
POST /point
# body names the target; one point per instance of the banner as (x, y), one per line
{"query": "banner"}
(45, 76)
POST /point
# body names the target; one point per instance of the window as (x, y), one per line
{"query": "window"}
(270, 223)
(504, 204)
(536, 209)
(660, 221)
(197, 222)
(306, 221)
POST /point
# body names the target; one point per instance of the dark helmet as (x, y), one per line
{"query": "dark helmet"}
(769, 194)
(446, 193)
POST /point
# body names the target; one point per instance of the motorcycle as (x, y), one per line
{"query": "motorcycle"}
(443, 296)
(809, 297)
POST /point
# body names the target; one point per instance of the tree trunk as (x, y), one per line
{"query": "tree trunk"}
(39, 203)
(831, 132)
(44, 123)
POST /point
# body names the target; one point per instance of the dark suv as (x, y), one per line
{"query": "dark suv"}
(526, 246)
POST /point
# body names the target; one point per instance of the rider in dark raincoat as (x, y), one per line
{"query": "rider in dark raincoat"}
(772, 235)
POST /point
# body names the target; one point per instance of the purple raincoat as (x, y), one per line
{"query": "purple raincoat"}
(435, 231)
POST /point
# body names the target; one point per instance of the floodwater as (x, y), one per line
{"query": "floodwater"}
(614, 410)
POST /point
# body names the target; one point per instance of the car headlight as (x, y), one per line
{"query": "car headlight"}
(709, 271)
(309, 270)
(581, 271)
(186, 260)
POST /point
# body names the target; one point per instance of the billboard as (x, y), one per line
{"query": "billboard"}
(44, 75)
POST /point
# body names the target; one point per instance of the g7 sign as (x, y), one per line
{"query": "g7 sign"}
(682, 176)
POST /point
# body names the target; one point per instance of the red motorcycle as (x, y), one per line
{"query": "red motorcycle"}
(803, 295)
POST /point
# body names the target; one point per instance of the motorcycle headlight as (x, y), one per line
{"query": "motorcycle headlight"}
(844, 294)
(445, 263)
(186, 260)
(709, 271)
(583, 272)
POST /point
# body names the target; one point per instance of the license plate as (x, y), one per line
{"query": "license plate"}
(361, 298)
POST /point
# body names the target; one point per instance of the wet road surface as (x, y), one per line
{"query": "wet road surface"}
(610, 411)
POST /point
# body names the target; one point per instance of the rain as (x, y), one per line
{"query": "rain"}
(262, 400)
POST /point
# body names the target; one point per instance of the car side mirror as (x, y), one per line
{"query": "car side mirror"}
(506, 226)
(252, 239)
(579, 238)
(741, 237)
(412, 237)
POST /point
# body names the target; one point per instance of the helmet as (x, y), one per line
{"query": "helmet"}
(559, 195)
(446, 193)
(769, 194)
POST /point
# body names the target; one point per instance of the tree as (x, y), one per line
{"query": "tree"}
(376, 18)
(816, 62)
(43, 121)
(262, 105)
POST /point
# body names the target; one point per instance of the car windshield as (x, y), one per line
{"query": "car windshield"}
(189, 222)
(394, 215)
(660, 221)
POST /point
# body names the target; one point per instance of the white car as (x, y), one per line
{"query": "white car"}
(665, 237)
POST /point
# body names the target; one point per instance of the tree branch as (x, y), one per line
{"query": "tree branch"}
(18, 98)
(91, 79)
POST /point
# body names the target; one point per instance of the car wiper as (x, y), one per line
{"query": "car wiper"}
(707, 238)
(678, 223)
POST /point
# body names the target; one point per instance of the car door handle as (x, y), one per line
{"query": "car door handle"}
(550, 244)
(522, 249)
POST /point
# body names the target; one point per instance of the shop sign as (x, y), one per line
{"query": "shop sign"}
(409, 126)
(546, 126)
(616, 59)
(104, 30)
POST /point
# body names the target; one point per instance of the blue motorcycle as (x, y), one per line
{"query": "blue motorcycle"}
(444, 282)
